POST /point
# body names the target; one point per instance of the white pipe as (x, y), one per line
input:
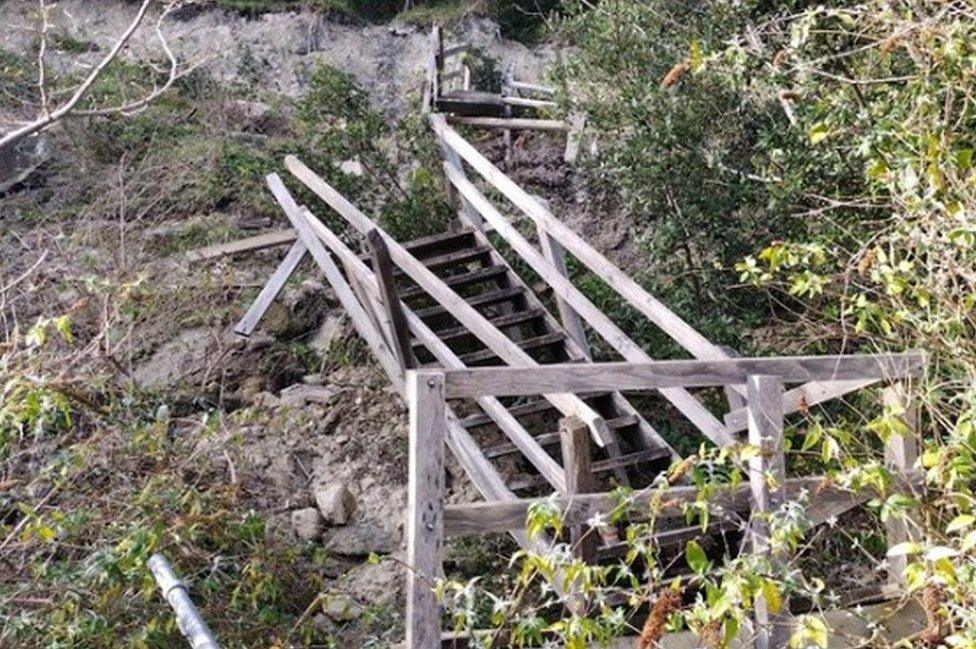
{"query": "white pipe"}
(188, 618)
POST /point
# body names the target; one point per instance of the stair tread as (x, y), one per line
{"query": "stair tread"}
(601, 466)
(462, 279)
(548, 439)
(455, 257)
(544, 340)
(481, 299)
(423, 245)
(499, 322)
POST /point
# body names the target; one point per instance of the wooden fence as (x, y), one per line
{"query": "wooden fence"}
(429, 520)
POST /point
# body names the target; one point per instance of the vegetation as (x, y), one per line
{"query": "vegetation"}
(812, 166)
(804, 179)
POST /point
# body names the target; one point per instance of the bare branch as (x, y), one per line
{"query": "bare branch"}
(12, 137)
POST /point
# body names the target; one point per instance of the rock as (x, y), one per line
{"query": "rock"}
(374, 583)
(307, 523)
(336, 503)
(175, 360)
(299, 394)
(333, 328)
(246, 115)
(18, 163)
(341, 608)
(361, 539)
(351, 168)
(250, 387)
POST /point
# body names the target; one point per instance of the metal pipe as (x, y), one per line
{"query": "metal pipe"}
(188, 618)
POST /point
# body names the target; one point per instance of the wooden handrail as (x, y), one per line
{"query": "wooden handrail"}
(585, 377)
(684, 334)
(564, 289)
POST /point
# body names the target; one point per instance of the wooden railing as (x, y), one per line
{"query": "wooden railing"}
(429, 520)
(557, 239)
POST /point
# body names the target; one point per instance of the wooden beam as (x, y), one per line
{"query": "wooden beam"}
(801, 397)
(344, 293)
(425, 504)
(490, 517)
(258, 242)
(532, 87)
(383, 270)
(556, 256)
(584, 377)
(508, 424)
(575, 446)
(767, 484)
(275, 283)
(525, 102)
(511, 123)
(494, 339)
(564, 289)
(453, 50)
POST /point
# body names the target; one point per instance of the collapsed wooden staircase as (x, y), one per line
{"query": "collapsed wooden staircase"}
(451, 300)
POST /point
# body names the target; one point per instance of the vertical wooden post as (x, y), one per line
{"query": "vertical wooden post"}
(397, 322)
(425, 506)
(901, 453)
(574, 438)
(556, 254)
(467, 211)
(767, 478)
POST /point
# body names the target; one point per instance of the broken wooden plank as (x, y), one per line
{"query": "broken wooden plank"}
(259, 242)
(305, 227)
(271, 289)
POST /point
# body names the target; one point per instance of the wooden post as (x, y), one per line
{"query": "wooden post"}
(574, 438)
(425, 506)
(901, 454)
(767, 479)
(397, 322)
(556, 255)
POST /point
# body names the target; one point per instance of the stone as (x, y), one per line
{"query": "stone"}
(361, 539)
(307, 523)
(175, 360)
(351, 167)
(336, 503)
(332, 329)
(341, 608)
(300, 394)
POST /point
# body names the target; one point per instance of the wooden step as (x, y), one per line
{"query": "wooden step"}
(484, 299)
(666, 538)
(545, 340)
(550, 439)
(602, 466)
(460, 280)
(521, 410)
(434, 244)
(500, 322)
(456, 258)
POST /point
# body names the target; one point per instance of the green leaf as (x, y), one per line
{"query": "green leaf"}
(905, 548)
(695, 556)
(818, 133)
